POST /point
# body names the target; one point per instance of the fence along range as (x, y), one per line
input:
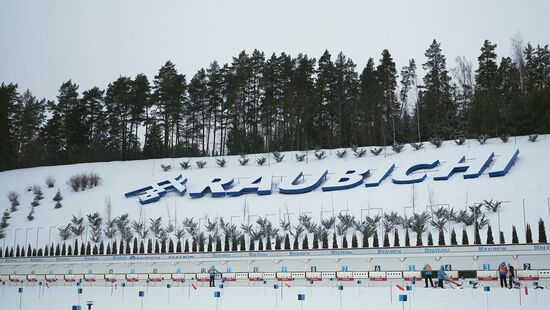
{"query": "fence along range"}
(383, 264)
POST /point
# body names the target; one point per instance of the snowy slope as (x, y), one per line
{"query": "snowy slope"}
(527, 180)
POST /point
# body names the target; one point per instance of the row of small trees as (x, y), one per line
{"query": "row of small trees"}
(232, 243)
(76, 182)
(340, 153)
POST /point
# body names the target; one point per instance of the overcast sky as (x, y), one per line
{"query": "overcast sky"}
(44, 43)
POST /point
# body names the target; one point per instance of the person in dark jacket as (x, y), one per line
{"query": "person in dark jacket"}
(511, 276)
(441, 276)
(212, 272)
(427, 269)
(502, 272)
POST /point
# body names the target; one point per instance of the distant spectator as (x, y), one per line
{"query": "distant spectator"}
(502, 272)
(511, 275)
(427, 269)
(441, 276)
(212, 272)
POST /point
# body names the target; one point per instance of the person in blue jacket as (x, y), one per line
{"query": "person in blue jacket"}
(441, 276)
(212, 272)
(502, 272)
(427, 269)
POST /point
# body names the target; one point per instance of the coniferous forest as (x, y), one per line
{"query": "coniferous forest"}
(260, 103)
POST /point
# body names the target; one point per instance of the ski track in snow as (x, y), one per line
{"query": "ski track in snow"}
(267, 298)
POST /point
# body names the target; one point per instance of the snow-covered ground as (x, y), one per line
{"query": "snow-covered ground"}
(527, 182)
(266, 297)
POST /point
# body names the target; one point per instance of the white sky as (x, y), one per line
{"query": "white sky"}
(44, 43)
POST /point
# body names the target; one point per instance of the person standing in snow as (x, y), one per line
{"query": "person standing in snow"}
(441, 276)
(511, 275)
(212, 272)
(427, 269)
(502, 272)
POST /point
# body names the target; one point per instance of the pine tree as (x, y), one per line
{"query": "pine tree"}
(305, 243)
(178, 246)
(242, 246)
(268, 242)
(419, 239)
(386, 240)
(252, 245)
(277, 243)
(430, 239)
(171, 246)
(369, 106)
(170, 89)
(149, 246)
(226, 243)
(528, 234)
(218, 244)
(436, 107)
(441, 238)
(407, 238)
(295, 245)
(186, 247)
(515, 238)
(465, 237)
(316, 241)
(490, 239)
(344, 242)
(135, 246)
(75, 247)
(375, 240)
(8, 103)
(113, 246)
(95, 123)
(354, 243)
(484, 116)
(542, 231)
(477, 237)
(118, 102)
(209, 245)
(334, 241)
(501, 238)
(396, 238)
(57, 197)
(27, 120)
(325, 240)
(261, 244)
(365, 240)
(387, 79)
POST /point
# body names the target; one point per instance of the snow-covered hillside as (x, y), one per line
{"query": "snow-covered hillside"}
(526, 182)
